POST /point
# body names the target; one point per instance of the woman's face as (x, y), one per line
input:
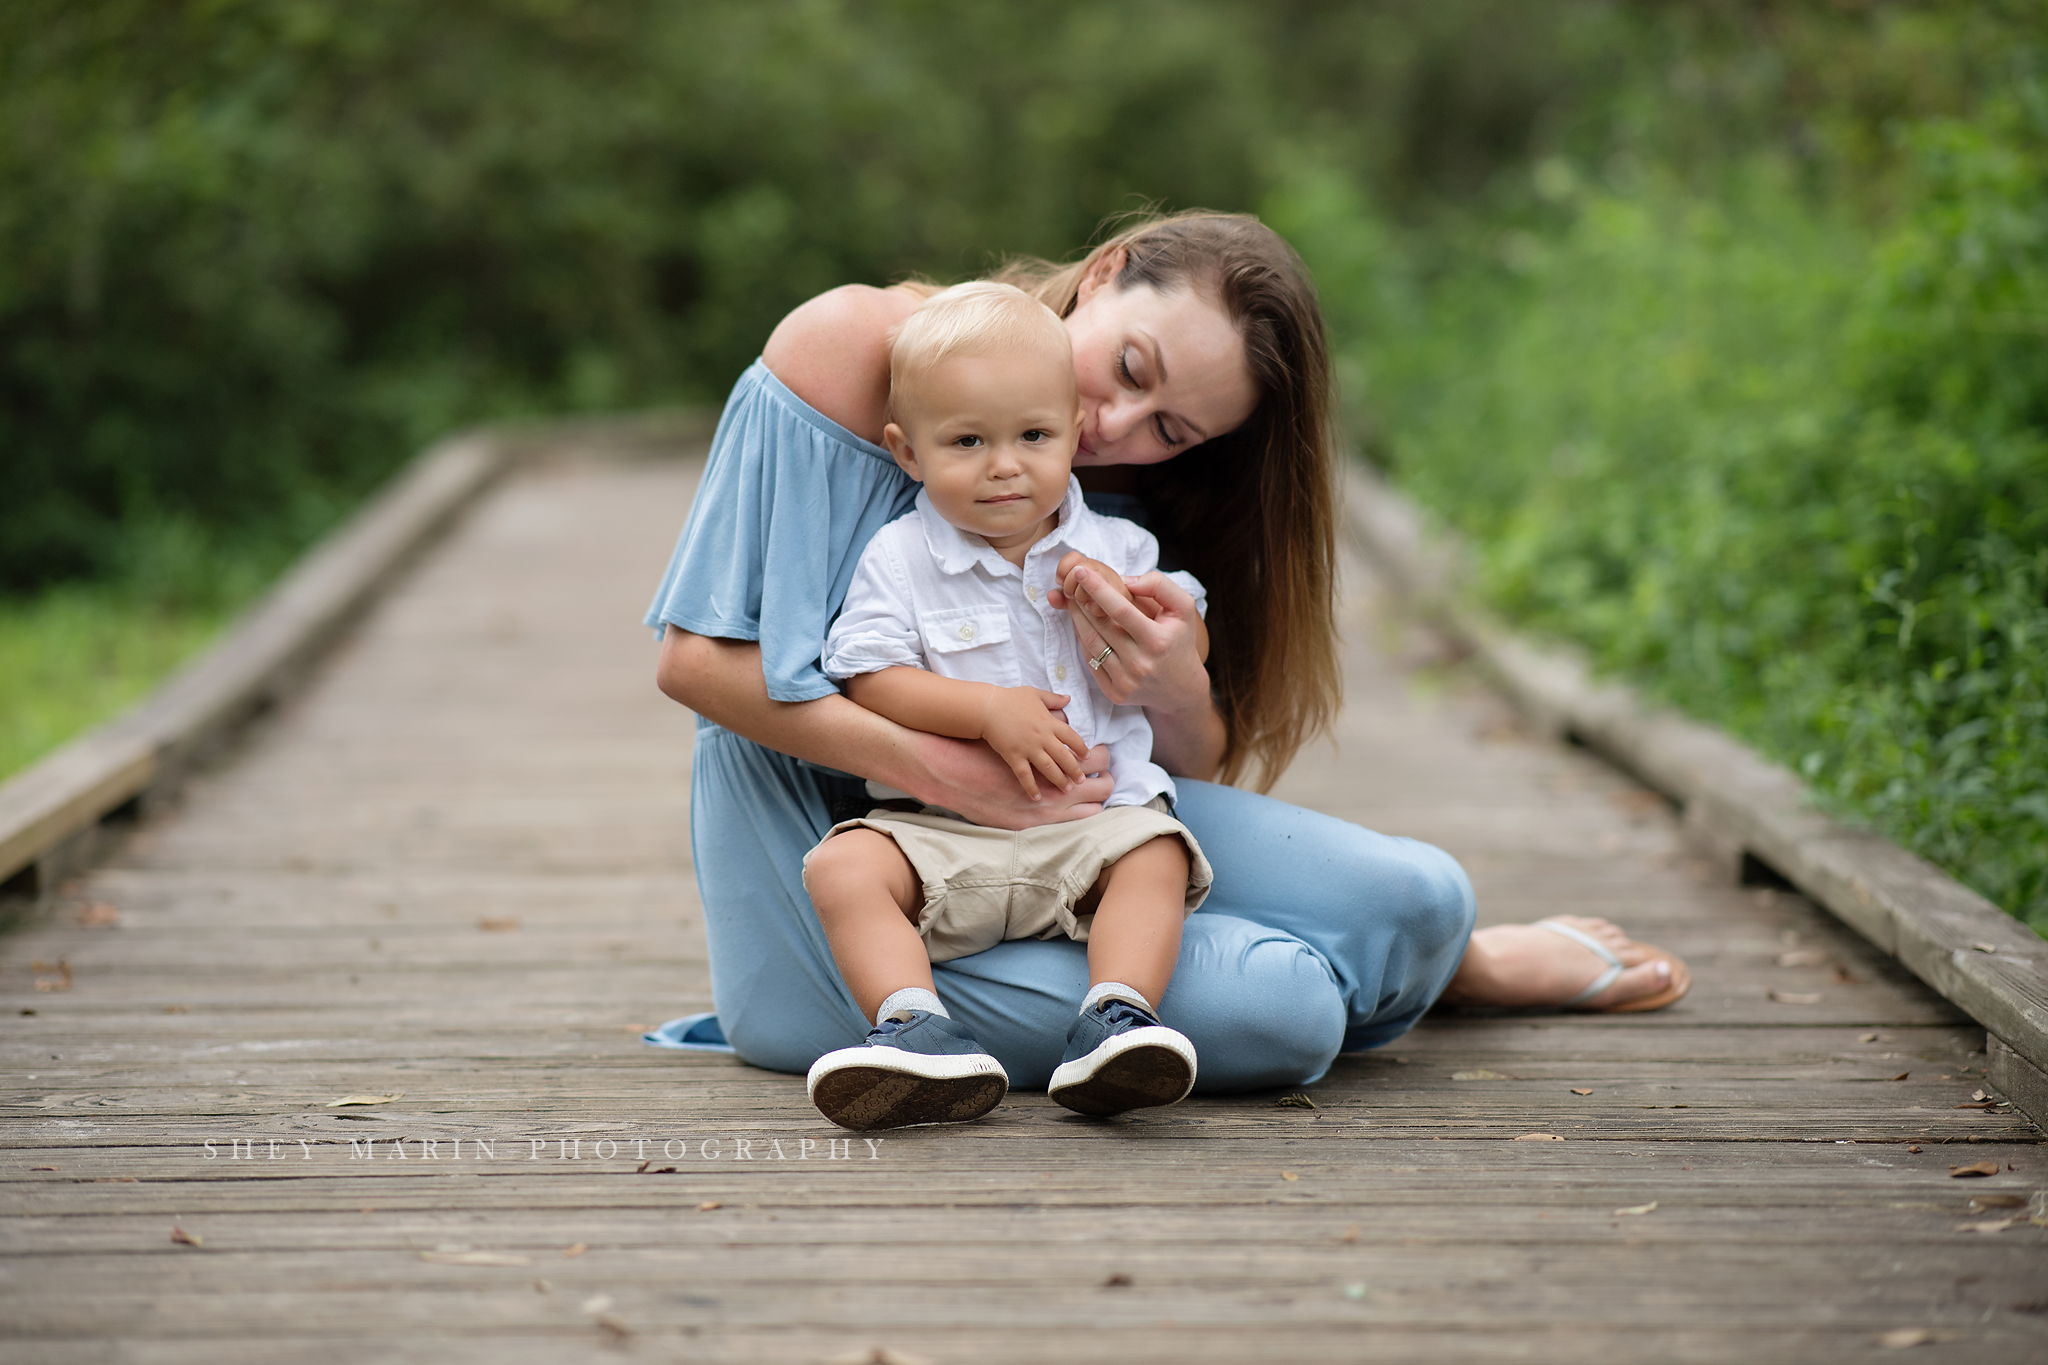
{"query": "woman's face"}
(1158, 372)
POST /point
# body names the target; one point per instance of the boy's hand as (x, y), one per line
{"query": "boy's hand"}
(1071, 593)
(1028, 730)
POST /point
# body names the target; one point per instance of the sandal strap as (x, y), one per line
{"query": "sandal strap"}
(1598, 949)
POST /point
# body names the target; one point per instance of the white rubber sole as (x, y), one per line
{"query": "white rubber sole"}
(1142, 1069)
(865, 1088)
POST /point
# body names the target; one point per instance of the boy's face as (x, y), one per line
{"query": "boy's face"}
(992, 439)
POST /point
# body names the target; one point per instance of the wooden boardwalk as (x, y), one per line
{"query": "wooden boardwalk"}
(456, 872)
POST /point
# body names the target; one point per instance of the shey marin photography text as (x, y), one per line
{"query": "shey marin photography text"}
(653, 1155)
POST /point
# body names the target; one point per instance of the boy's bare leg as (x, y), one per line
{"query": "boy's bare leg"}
(867, 896)
(1120, 1057)
(1140, 905)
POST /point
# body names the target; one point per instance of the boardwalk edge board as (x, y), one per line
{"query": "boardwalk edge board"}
(53, 813)
(1742, 811)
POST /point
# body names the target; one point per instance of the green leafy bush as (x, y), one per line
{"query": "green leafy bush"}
(1787, 468)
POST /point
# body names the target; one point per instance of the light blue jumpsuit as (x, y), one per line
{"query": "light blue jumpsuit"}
(1320, 937)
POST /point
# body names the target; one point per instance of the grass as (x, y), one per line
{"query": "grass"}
(77, 656)
(1696, 433)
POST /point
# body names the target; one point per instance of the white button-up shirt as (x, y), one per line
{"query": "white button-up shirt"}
(929, 595)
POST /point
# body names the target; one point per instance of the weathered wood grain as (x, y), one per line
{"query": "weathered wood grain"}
(1734, 800)
(308, 922)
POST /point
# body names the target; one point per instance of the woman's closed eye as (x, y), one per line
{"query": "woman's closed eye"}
(1168, 437)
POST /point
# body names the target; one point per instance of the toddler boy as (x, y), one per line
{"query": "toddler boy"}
(948, 628)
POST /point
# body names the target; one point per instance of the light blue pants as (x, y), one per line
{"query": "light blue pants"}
(1320, 937)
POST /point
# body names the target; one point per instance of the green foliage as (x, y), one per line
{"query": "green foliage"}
(254, 252)
(1718, 328)
(1785, 463)
(79, 655)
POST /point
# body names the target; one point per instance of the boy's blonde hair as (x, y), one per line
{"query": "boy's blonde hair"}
(978, 318)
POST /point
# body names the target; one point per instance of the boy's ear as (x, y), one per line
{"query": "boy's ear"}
(899, 446)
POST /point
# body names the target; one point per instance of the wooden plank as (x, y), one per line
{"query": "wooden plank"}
(1952, 938)
(487, 744)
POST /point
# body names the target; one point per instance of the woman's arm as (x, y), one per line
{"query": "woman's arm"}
(833, 352)
(1026, 726)
(722, 681)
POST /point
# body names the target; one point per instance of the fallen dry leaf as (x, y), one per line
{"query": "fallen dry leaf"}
(1793, 997)
(1915, 1148)
(43, 1168)
(1117, 1281)
(497, 926)
(1350, 1234)
(99, 915)
(1980, 1203)
(1636, 1210)
(1480, 1073)
(1866, 1037)
(176, 1009)
(1289, 1175)
(364, 1099)
(709, 1205)
(571, 1253)
(1294, 1101)
(1990, 1225)
(641, 1169)
(51, 978)
(1577, 1091)
(1979, 1095)
(1902, 1075)
(1802, 957)
(597, 1303)
(184, 1238)
(612, 1327)
(1984, 947)
(875, 1355)
(1899, 1338)
(1974, 1168)
(474, 1258)
(1537, 1137)
(542, 1286)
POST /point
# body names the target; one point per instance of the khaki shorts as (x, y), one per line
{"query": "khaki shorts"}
(982, 886)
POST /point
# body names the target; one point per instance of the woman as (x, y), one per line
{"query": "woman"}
(1198, 350)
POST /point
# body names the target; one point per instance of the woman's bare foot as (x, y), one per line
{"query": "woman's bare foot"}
(1519, 966)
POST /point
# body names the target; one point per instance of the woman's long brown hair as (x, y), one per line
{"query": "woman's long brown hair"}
(1251, 513)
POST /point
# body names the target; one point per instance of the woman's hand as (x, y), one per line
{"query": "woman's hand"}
(965, 775)
(721, 680)
(1157, 647)
(1151, 627)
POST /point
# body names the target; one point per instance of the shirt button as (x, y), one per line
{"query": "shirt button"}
(1031, 591)
(967, 632)
(1059, 672)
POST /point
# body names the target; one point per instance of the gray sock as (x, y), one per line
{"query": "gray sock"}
(901, 1003)
(1114, 990)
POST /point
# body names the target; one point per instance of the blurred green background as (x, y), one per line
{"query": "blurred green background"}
(1720, 329)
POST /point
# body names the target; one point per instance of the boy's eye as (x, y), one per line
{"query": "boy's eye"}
(1037, 434)
(967, 442)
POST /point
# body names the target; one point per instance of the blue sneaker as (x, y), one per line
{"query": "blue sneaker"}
(924, 1069)
(1121, 1057)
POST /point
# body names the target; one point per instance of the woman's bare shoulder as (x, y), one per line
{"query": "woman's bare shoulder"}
(833, 352)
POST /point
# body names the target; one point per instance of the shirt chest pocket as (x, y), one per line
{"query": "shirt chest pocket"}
(970, 642)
